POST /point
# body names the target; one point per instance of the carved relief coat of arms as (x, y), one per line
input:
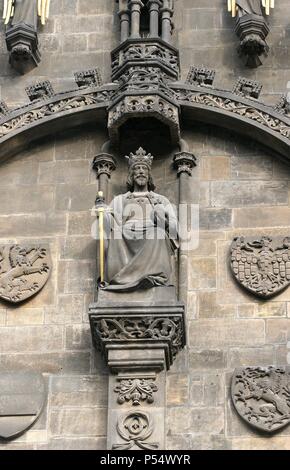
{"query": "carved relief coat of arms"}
(24, 270)
(262, 266)
(261, 396)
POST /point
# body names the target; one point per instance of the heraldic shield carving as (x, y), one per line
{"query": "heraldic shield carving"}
(262, 266)
(261, 396)
(22, 398)
(24, 271)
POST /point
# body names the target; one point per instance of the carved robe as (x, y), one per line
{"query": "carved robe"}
(141, 242)
(25, 12)
(249, 7)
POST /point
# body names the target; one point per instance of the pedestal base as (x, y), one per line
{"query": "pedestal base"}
(139, 333)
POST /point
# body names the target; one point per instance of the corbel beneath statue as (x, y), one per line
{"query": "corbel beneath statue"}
(252, 29)
(21, 20)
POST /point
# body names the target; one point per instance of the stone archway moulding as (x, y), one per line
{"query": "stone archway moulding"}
(56, 112)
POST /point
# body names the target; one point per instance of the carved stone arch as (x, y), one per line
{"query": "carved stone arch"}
(246, 116)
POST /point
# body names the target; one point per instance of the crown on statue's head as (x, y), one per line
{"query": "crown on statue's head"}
(140, 157)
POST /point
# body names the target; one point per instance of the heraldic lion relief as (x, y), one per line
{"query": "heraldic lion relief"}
(24, 271)
(261, 266)
(261, 396)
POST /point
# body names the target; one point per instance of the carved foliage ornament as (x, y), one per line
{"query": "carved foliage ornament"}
(136, 390)
(57, 107)
(262, 266)
(135, 429)
(24, 271)
(261, 396)
(244, 110)
(142, 328)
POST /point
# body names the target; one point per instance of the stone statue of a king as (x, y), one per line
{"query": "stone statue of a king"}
(141, 233)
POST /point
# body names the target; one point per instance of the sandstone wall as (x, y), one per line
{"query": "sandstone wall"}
(46, 194)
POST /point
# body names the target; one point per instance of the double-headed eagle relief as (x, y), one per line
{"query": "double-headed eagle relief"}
(261, 396)
(24, 271)
(262, 266)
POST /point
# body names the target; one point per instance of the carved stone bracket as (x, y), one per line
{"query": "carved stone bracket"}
(22, 44)
(200, 76)
(252, 31)
(41, 90)
(146, 52)
(184, 162)
(88, 78)
(104, 164)
(117, 329)
(248, 88)
(151, 105)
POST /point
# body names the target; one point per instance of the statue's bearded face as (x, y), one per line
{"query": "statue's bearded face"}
(141, 174)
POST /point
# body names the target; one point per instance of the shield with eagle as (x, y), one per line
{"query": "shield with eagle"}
(261, 396)
(24, 271)
(262, 266)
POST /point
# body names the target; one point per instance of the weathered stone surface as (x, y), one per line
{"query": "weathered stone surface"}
(77, 443)
(86, 391)
(89, 421)
(239, 194)
(177, 389)
(30, 338)
(251, 168)
(210, 308)
(215, 168)
(29, 199)
(262, 356)
(196, 420)
(277, 331)
(61, 172)
(78, 337)
(28, 316)
(215, 219)
(48, 191)
(264, 217)
(261, 443)
(32, 225)
(219, 333)
(49, 363)
(207, 359)
(202, 273)
(75, 248)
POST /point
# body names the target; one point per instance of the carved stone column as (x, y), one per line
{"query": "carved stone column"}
(124, 14)
(136, 6)
(167, 12)
(184, 162)
(104, 164)
(154, 17)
